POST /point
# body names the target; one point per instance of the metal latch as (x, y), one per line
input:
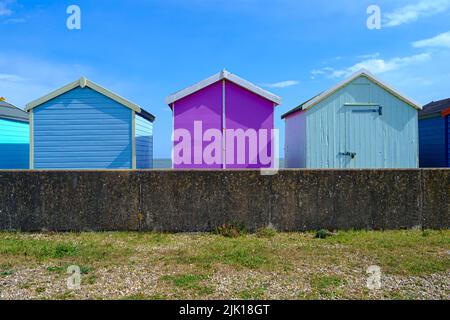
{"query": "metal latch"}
(348, 154)
(379, 111)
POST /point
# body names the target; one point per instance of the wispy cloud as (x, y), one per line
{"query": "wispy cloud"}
(5, 10)
(10, 77)
(440, 41)
(15, 20)
(413, 12)
(376, 66)
(282, 84)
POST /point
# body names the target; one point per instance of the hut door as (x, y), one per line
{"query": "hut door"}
(363, 148)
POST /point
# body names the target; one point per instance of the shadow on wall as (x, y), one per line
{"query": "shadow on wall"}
(123, 159)
(14, 155)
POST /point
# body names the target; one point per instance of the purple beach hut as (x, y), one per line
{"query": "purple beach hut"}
(223, 122)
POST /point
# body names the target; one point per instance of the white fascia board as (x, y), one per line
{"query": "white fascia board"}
(194, 88)
(217, 77)
(83, 82)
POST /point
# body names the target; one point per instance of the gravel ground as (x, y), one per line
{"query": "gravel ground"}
(144, 281)
(287, 266)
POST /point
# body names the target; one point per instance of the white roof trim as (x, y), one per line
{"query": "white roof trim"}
(369, 75)
(83, 82)
(217, 77)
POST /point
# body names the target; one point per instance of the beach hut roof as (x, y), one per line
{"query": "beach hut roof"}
(224, 74)
(9, 111)
(83, 83)
(441, 106)
(363, 72)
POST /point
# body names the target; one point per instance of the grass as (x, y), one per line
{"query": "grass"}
(141, 296)
(253, 294)
(243, 252)
(280, 265)
(38, 249)
(400, 252)
(266, 232)
(189, 282)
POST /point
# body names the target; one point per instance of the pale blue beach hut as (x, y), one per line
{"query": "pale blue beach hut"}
(85, 126)
(361, 122)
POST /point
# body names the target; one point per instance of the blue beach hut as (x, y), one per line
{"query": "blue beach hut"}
(14, 137)
(434, 135)
(360, 123)
(85, 126)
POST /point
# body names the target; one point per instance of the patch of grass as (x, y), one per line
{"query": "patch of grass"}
(326, 282)
(66, 295)
(253, 294)
(141, 296)
(399, 252)
(184, 281)
(266, 232)
(137, 296)
(40, 289)
(133, 238)
(63, 269)
(62, 250)
(71, 247)
(26, 285)
(157, 297)
(426, 233)
(327, 286)
(37, 248)
(57, 269)
(323, 234)
(190, 282)
(89, 279)
(248, 252)
(231, 230)
(308, 295)
(6, 273)
(85, 270)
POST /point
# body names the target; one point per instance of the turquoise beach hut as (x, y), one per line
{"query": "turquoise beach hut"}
(85, 126)
(361, 122)
(14, 137)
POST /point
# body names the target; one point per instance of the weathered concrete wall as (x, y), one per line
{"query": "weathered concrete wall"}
(180, 201)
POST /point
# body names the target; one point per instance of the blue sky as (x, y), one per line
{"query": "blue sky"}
(145, 50)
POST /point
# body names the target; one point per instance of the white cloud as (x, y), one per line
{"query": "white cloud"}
(282, 84)
(413, 12)
(439, 41)
(4, 8)
(376, 66)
